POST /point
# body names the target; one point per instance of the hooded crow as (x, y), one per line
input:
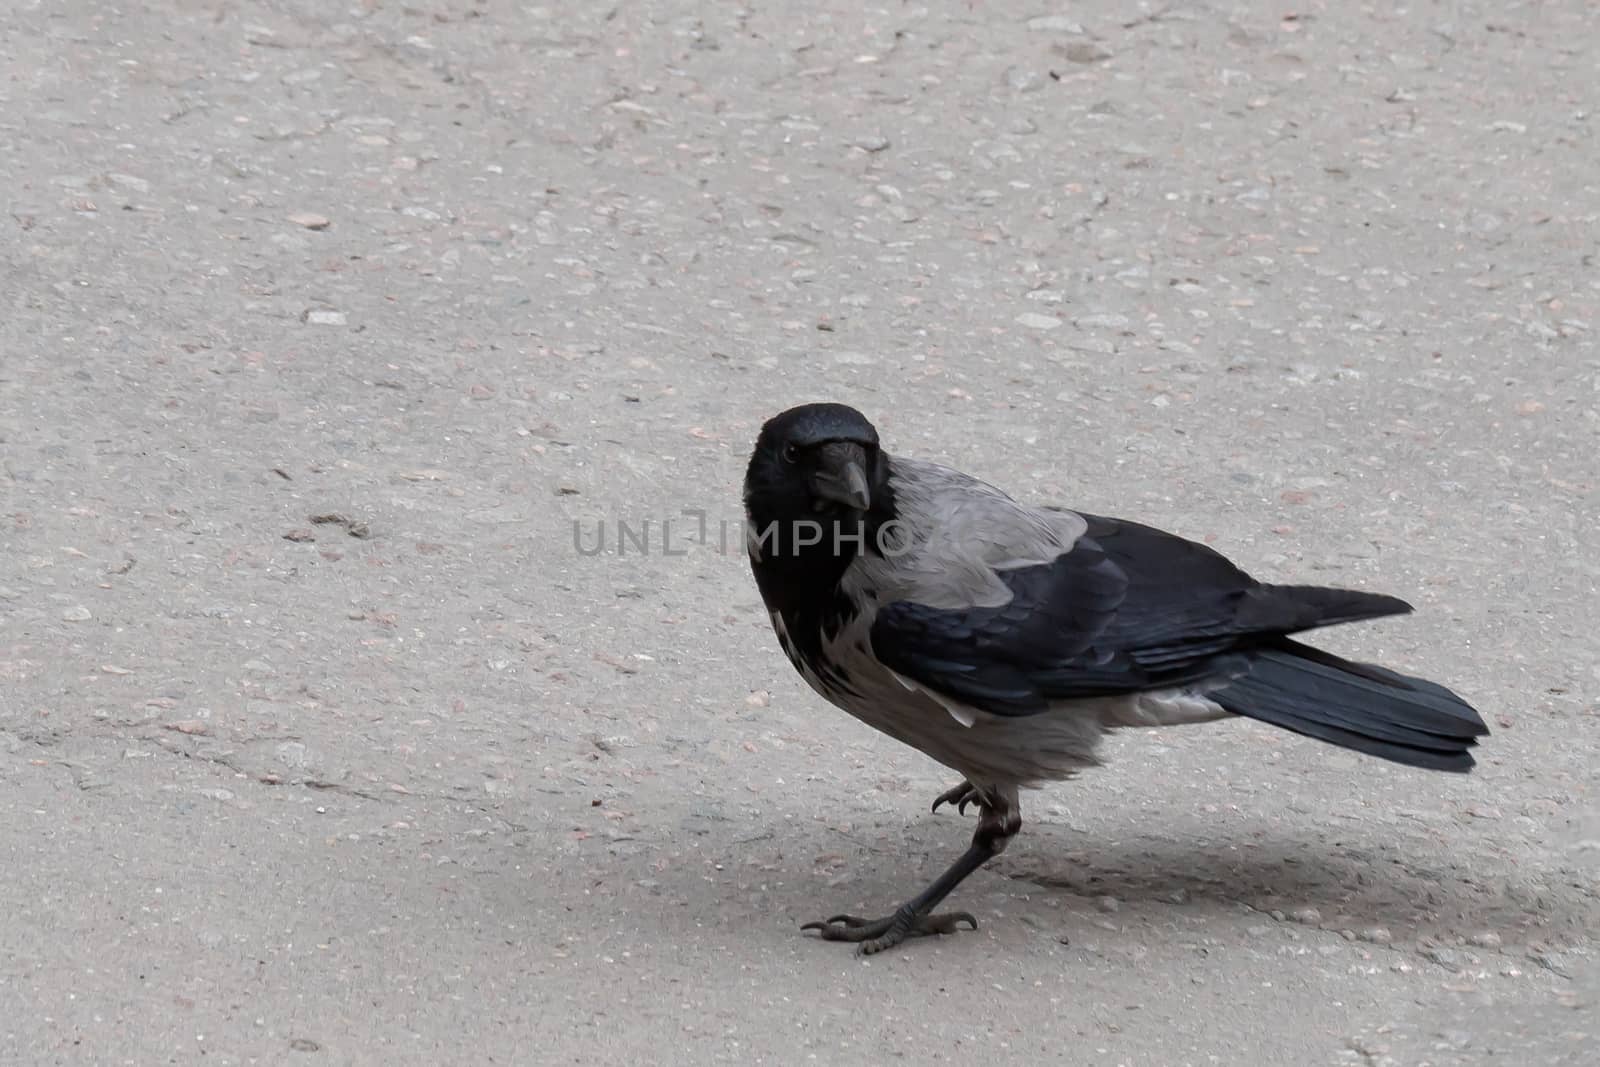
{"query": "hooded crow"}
(1003, 640)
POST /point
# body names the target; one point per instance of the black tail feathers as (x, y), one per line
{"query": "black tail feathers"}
(1357, 706)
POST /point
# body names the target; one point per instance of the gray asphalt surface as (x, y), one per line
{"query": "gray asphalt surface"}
(428, 783)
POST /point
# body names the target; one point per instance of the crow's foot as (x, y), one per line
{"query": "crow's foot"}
(875, 935)
(999, 819)
(961, 795)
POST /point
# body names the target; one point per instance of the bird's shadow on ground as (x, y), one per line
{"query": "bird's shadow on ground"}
(1356, 887)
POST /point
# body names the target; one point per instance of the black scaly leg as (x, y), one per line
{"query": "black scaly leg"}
(1000, 817)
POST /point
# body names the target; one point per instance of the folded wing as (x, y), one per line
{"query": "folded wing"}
(1127, 608)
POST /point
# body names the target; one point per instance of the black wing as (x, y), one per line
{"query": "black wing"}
(1129, 608)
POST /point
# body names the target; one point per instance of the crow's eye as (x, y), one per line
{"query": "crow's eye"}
(791, 453)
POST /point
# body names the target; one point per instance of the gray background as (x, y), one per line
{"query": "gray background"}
(1313, 282)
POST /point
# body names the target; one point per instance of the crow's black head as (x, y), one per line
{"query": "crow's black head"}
(815, 424)
(816, 480)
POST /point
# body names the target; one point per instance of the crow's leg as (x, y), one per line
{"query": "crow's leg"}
(960, 795)
(999, 820)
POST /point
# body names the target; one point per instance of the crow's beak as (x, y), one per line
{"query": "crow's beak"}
(841, 476)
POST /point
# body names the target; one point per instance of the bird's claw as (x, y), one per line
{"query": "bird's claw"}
(875, 935)
(961, 795)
